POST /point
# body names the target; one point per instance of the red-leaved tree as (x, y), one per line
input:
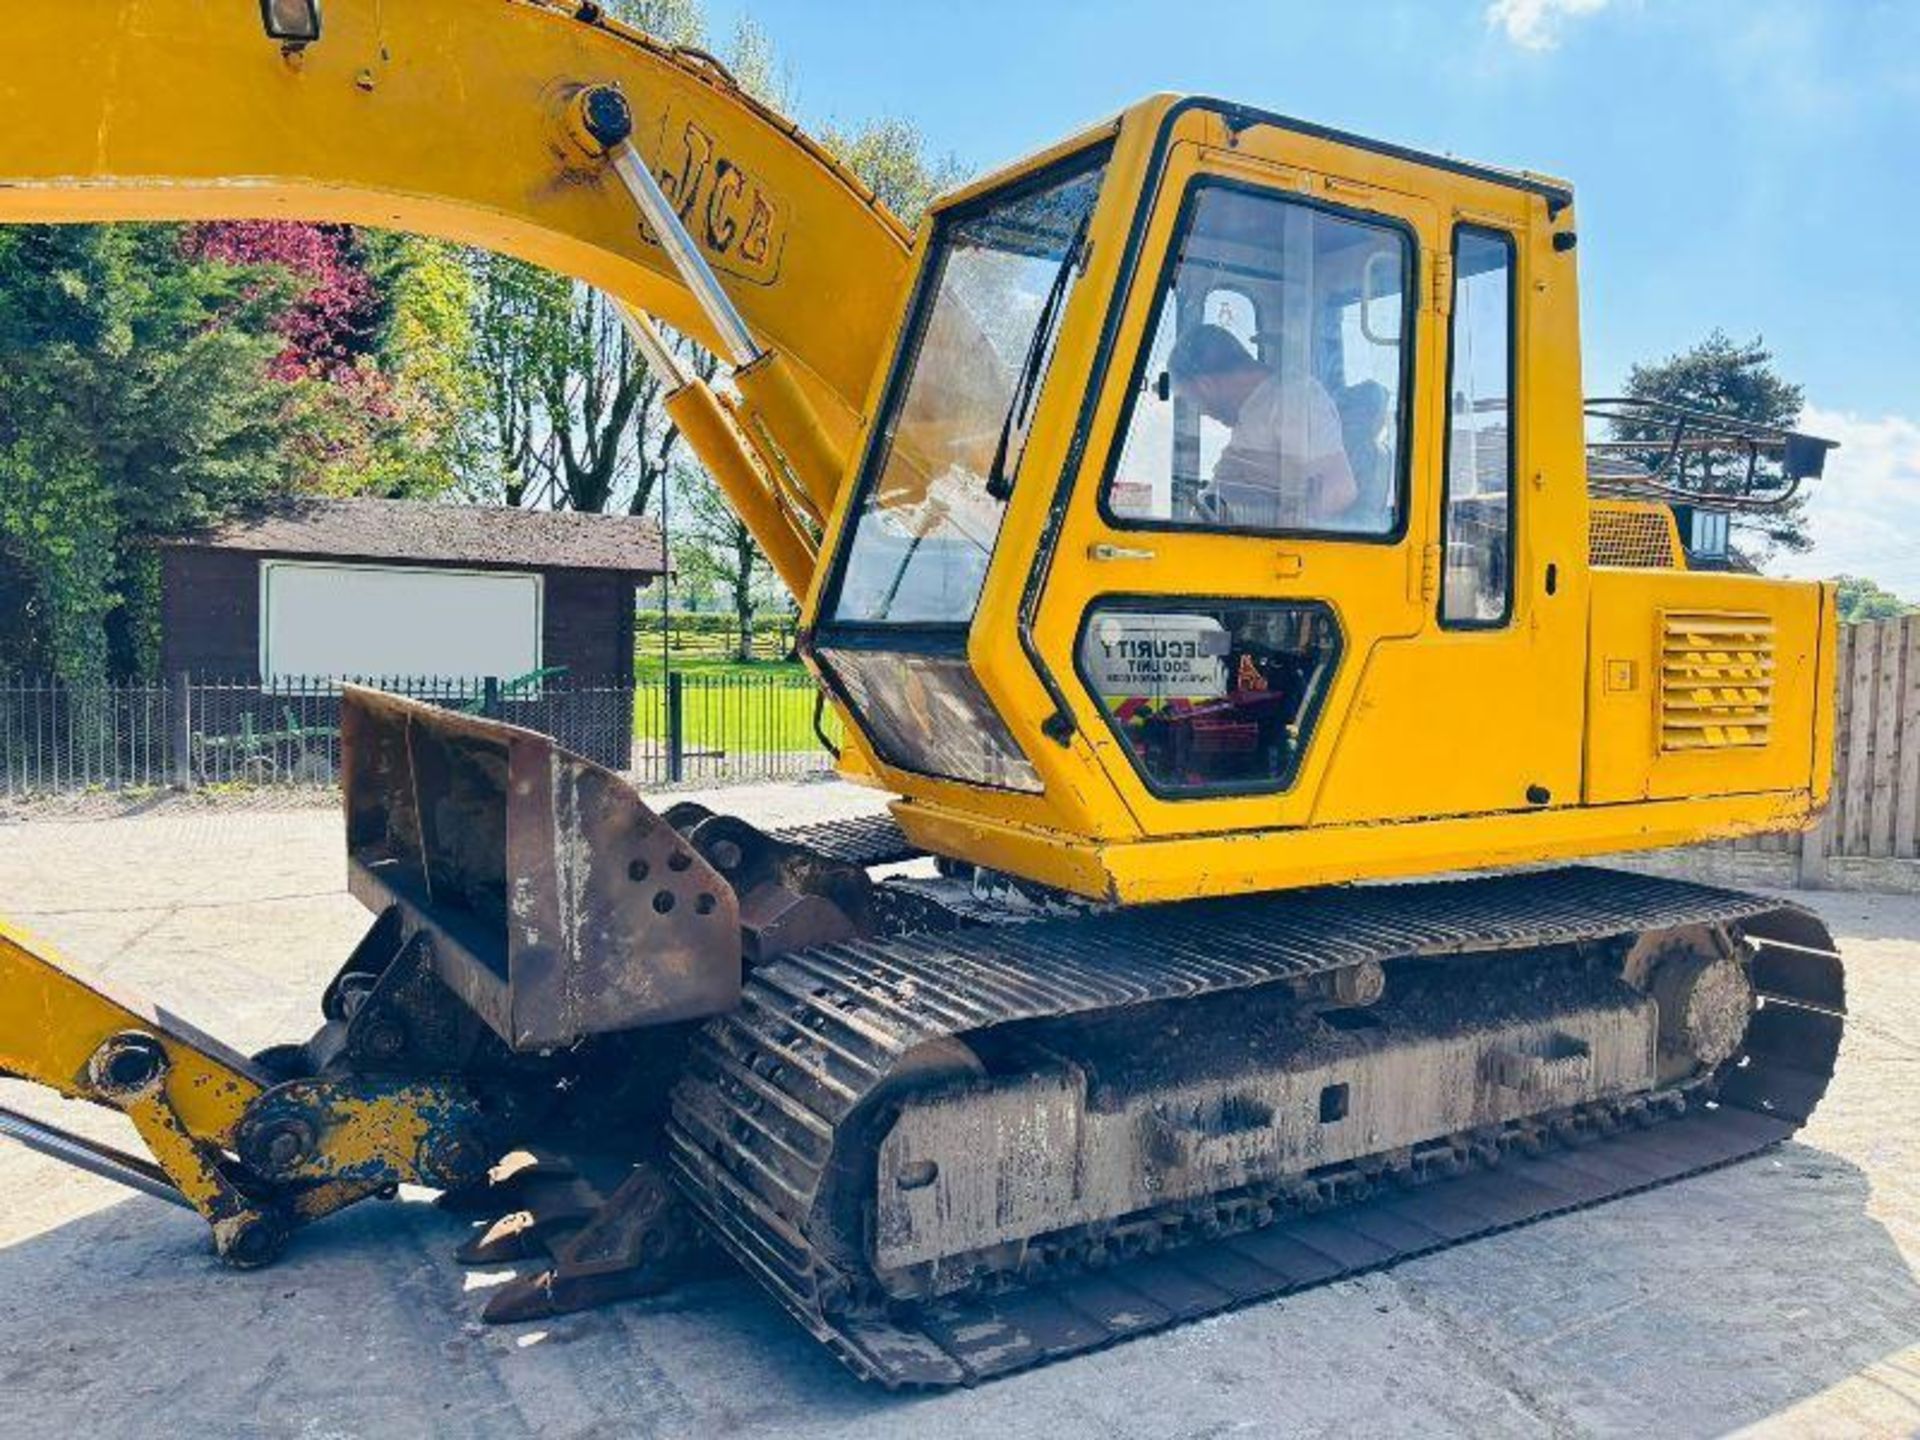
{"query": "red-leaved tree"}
(332, 324)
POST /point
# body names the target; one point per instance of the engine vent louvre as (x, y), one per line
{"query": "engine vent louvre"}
(1716, 680)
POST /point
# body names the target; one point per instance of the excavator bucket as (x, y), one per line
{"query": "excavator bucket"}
(559, 904)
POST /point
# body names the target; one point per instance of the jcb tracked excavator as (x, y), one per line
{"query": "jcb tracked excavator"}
(1195, 521)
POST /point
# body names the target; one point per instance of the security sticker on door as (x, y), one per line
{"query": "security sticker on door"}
(1165, 657)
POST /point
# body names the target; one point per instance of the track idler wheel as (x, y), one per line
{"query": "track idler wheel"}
(1699, 978)
(1706, 1003)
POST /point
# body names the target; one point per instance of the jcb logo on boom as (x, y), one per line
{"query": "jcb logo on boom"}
(735, 218)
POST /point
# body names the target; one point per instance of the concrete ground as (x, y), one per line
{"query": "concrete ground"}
(1779, 1294)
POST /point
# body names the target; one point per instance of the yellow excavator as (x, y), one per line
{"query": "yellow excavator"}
(1198, 532)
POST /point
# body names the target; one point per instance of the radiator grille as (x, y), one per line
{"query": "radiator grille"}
(1716, 680)
(1638, 537)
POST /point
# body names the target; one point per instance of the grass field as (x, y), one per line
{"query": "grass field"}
(732, 709)
(760, 707)
(703, 638)
(647, 669)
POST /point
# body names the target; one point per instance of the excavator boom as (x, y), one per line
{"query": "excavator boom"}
(449, 118)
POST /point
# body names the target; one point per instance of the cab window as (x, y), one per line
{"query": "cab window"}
(1478, 508)
(951, 439)
(1210, 698)
(1270, 397)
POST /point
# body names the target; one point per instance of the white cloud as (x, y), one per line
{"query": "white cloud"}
(1535, 24)
(1864, 513)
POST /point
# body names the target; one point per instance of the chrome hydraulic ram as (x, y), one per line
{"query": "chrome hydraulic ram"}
(601, 123)
(83, 1154)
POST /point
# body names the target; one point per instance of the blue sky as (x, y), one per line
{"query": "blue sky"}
(1748, 164)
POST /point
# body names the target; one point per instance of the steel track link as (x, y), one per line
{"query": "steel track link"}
(863, 840)
(758, 1110)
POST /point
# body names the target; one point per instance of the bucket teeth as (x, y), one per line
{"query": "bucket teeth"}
(628, 1235)
(533, 1210)
(507, 1186)
(527, 1297)
(522, 1235)
(551, 1292)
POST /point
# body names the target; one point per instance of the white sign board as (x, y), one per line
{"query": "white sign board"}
(1158, 657)
(330, 621)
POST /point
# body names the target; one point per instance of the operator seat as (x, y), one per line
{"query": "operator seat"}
(1365, 410)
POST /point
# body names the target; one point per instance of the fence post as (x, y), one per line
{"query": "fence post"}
(181, 738)
(1810, 864)
(676, 727)
(490, 705)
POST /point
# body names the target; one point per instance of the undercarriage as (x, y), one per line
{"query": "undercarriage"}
(955, 1124)
(959, 1155)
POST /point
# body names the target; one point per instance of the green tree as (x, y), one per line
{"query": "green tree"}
(135, 402)
(519, 331)
(677, 22)
(895, 161)
(598, 396)
(1736, 379)
(375, 355)
(1862, 599)
(424, 346)
(719, 553)
(568, 416)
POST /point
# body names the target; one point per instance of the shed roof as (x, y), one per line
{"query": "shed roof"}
(423, 532)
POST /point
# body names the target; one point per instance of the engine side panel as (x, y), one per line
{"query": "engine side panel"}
(1708, 684)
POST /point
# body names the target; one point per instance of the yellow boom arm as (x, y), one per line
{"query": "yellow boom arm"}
(450, 118)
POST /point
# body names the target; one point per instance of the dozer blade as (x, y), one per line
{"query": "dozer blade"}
(559, 904)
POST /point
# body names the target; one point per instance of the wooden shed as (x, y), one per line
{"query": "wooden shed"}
(340, 588)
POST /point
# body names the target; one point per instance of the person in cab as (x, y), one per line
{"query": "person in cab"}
(1285, 467)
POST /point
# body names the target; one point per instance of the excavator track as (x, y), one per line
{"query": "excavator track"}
(760, 1108)
(864, 840)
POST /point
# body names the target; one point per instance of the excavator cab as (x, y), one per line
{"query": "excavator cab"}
(1226, 468)
(1311, 307)
(987, 431)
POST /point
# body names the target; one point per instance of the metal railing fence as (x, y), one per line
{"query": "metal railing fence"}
(197, 732)
(59, 739)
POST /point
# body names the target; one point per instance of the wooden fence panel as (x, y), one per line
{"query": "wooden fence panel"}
(1836, 818)
(1906, 820)
(1885, 784)
(1861, 688)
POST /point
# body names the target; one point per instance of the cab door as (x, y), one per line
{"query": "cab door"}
(1245, 532)
(1483, 710)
